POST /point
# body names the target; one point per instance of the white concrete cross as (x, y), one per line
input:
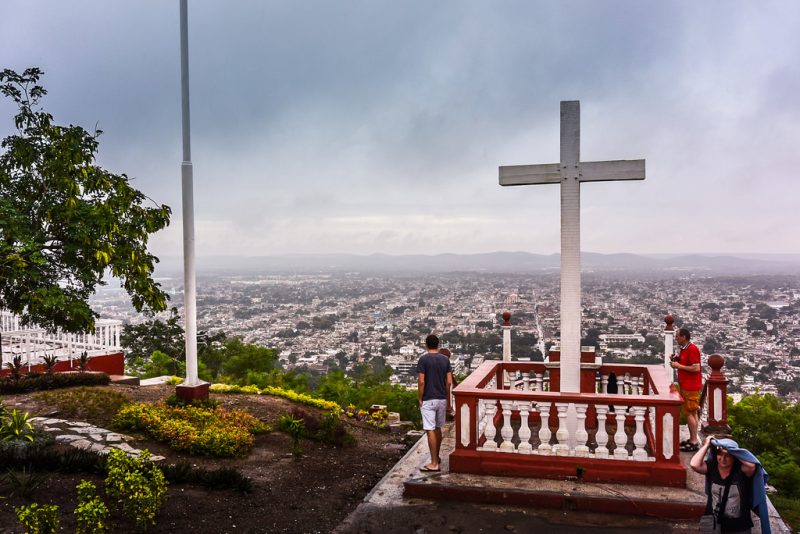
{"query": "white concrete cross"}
(570, 173)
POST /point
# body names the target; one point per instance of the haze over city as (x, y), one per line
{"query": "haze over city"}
(378, 127)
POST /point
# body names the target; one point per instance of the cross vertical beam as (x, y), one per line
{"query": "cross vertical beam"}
(570, 247)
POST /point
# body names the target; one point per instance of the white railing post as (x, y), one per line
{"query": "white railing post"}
(639, 438)
(604, 380)
(581, 435)
(620, 437)
(544, 430)
(507, 432)
(490, 431)
(669, 338)
(562, 434)
(602, 436)
(524, 430)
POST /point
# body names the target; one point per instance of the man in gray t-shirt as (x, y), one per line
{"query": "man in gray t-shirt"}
(434, 385)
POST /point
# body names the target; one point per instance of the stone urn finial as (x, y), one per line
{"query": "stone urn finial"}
(669, 320)
(506, 319)
(716, 361)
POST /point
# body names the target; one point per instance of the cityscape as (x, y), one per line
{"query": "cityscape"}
(322, 321)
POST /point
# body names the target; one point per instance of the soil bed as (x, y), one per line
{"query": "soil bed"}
(312, 494)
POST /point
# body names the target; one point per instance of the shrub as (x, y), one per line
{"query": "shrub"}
(222, 478)
(138, 486)
(204, 431)
(91, 513)
(174, 381)
(15, 366)
(16, 426)
(38, 519)
(326, 429)
(23, 483)
(50, 361)
(302, 398)
(296, 428)
(37, 382)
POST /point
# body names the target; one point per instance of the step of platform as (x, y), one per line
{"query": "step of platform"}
(124, 380)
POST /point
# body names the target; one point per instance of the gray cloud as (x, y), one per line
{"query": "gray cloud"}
(378, 126)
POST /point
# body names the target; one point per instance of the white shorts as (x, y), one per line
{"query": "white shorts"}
(433, 412)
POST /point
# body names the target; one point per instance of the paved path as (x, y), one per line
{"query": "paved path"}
(87, 437)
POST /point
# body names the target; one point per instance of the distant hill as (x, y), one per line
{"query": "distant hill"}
(506, 262)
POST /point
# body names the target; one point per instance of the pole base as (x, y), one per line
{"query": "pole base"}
(192, 393)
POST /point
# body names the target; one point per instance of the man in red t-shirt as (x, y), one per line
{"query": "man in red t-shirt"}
(690, 379)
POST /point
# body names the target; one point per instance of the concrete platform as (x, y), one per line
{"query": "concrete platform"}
(406, 500)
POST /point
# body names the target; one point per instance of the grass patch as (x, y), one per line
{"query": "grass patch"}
(789, 509)
(96, 405)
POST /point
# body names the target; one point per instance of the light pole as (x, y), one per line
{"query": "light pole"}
(192, 388)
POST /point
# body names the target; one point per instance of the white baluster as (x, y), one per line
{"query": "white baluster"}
(490, 432)
(562, 434)
(544, 431)
(507, 432)
(581, 435)
(626, 385)
(620, 437)
(526, 382)
(539, 381)
(639, 438)
(634, 385)
(602, 436)
(524, 430)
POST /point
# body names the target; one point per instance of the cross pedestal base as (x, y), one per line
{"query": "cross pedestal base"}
(192, 393)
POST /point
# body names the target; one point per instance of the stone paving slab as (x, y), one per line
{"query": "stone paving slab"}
(86, 436)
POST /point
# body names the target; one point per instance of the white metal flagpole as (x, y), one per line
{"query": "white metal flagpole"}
(189, 284)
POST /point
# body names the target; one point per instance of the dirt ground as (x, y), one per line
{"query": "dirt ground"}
(312, 494)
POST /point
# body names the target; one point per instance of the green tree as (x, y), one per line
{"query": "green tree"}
(243, 358)
(141, 340)
(769, 428)
(65, 221)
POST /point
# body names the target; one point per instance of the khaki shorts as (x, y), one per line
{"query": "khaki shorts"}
(691, 401)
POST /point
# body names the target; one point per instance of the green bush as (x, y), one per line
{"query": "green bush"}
(203, 431)
(14, 425)
(137, 485)
(326, 429)
(37, 382)
(296, 428)
(91, 513)
(38, 519)
(769, 427)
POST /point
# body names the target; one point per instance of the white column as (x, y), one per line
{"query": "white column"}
(620, 437)
(544, 431)
(669, 338)
(507, 432)
(581, 435)
(187, 187)
(524, 430)
(562, 434)
(490, 432)
(604, 382)
(639, 438)
(602, 436)
(539, 382)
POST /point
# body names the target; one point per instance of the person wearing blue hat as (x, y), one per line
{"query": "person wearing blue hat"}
(735, 485)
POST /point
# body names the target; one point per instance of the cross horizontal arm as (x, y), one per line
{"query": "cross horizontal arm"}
(608, 171)
(530, 174)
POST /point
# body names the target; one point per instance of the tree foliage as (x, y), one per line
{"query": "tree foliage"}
(770, 428)
(65, 221)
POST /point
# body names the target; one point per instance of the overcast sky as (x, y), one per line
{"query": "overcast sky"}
(378, 126)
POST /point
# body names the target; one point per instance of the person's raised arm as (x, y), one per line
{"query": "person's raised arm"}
(698, 463)
(420, 387)
(748, 468)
